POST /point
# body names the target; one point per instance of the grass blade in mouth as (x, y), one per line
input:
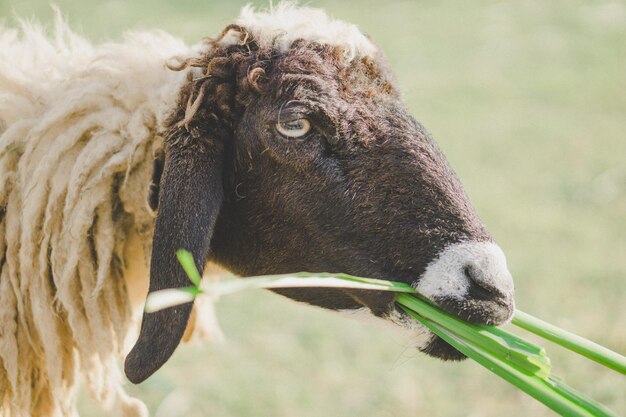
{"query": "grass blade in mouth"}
(549, 390)
(514, 359)
(525, 355)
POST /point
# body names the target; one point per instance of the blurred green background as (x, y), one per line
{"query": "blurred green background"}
(528, 101)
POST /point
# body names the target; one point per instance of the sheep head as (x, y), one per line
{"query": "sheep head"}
(299, 155)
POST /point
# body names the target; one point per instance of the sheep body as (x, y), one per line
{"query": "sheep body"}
(78, 129)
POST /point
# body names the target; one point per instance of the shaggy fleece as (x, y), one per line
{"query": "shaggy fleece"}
(78, 128)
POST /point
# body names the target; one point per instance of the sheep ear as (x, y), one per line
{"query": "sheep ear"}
(189, 201)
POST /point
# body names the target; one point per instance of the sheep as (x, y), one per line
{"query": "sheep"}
(280, 145)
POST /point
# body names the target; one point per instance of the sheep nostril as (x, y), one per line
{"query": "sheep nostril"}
(479, 287)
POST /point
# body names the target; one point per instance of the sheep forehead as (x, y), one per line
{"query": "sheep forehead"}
(318, 72)
(285, 23)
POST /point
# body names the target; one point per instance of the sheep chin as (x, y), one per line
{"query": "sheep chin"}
(423, 339)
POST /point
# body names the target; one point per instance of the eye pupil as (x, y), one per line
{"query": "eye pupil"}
(295, 125)
(294, 128)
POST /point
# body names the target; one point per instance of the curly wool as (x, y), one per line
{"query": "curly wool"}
(78, 128)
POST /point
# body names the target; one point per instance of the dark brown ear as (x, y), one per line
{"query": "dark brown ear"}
(190, 197)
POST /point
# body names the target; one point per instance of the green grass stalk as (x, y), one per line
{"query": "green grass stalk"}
(531, 358)
(555, 395)
(580, 345)
(514, 359)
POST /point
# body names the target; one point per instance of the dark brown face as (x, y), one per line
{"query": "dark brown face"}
(324, 170)
(364, 190)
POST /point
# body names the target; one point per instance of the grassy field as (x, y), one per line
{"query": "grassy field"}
(528, 100)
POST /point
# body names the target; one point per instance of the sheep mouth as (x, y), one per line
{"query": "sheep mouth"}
(423, 339)
(488, 312)
(492, 312)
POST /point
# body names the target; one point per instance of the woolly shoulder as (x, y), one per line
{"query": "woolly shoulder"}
(43, 70)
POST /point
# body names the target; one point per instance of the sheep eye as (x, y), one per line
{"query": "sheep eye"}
(293, 128)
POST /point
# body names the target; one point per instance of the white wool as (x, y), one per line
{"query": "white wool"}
(285, 23)
(78, 127)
